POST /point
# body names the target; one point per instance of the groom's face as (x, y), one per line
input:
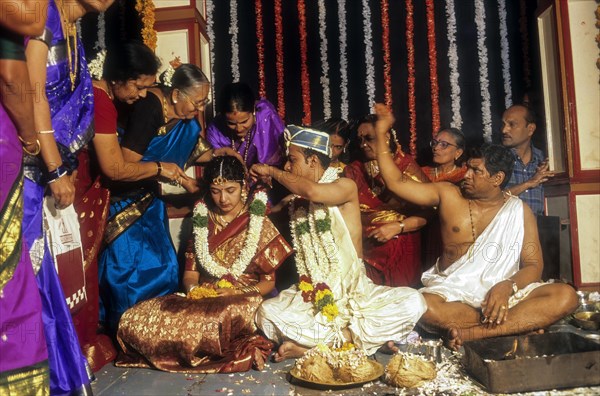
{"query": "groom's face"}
(298, 164)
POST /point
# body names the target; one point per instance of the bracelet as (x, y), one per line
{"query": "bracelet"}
(193, 287)
(250, 289)
(158, 168)
(57, 174)
(401, 226)
(26, 143)
(385, 152)
(48, 132)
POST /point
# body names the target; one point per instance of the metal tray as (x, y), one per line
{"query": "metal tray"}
(535, 362)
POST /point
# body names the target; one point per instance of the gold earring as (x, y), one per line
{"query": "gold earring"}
(244, 196)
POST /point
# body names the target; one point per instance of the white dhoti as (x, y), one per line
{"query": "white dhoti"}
(495, 256)
(373, 314)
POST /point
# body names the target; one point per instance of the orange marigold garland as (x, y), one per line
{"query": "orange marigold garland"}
(410, 64)
(387, 64)
(260, 49)
(435, 91)
(305, 79)
(145, 9)
(279, 59)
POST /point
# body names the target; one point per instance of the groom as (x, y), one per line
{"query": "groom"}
(334, 300)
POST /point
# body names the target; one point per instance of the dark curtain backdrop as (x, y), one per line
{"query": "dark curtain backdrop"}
(122, 22)
(468, 63)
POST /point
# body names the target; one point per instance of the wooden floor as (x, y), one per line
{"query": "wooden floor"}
(275, 380)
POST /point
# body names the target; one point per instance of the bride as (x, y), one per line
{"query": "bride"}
(230, 267)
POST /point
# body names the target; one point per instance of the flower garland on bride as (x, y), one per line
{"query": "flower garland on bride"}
(316, 258)
(257, 210)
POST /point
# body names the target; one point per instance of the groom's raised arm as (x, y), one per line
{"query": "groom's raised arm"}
(423, 194)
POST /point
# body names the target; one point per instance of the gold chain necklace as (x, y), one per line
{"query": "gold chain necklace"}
(69, 30)
(247, 139)
(435, 170)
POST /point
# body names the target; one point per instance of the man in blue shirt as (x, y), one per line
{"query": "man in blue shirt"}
(531, 168)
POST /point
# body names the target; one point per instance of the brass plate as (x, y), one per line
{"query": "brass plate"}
(378, 372)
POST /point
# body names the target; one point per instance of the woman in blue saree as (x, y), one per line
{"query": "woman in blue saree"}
(63, 116)
(139, 260)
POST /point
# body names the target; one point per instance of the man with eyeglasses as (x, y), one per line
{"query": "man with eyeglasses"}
(531, 168)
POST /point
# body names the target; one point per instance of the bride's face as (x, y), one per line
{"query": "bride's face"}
(227, 196)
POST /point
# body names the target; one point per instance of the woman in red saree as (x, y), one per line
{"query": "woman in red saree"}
(448, 147)
(391, 237)
(230, 266)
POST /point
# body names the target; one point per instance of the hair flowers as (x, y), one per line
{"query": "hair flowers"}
(96, 66)
(167, 78)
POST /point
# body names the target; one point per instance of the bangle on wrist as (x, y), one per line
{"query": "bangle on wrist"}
(402, 225)
(192, 288)
(48, 132)
(158, 168)
(57, 173)
(385, 152)
(515, 288)
(26, 143)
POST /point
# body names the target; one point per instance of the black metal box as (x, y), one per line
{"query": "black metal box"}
(534, 362)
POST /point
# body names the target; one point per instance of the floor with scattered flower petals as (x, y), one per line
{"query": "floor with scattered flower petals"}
(275, 380)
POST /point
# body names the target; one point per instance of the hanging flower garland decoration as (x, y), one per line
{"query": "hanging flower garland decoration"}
(205, 260)
(235, 49)
(260, 48)
(210, 31)
(387, 64)
(316, 261)
(453, 61)
(368, 41)
(305, 79)
(435, 90)
(145, 9)
(96, 66)
(279, 59)
(324, 62)
(410, 65)
(484, 84)
(343, 59)
(504, 50)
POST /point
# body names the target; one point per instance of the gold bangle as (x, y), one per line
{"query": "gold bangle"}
(48, 132)
(193, 287)
(385, 152)
(26, 143)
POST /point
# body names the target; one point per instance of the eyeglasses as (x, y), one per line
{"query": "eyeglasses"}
(197, 105)
(443, 144)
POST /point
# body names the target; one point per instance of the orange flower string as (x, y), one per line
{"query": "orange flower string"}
(305, 79)
(260, 49)
(279, 59)
(387, 64)
(145, 9)
(435, 91)
(410, 64)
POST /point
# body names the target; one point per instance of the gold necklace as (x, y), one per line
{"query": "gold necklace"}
(69, 30)
(163, 129)
(435, 170)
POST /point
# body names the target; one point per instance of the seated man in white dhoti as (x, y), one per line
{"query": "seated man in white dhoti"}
(334, 301)
(486, 283)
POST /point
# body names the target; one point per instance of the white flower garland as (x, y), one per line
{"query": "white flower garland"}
(203, 256)
(233, 31)
(96, 66)
(316, 257)
(453, 60)
(210, 31)
(168, 76)
(504, 50)
(324, 63)
(343, 59)
(368, 40)
(484, 85)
